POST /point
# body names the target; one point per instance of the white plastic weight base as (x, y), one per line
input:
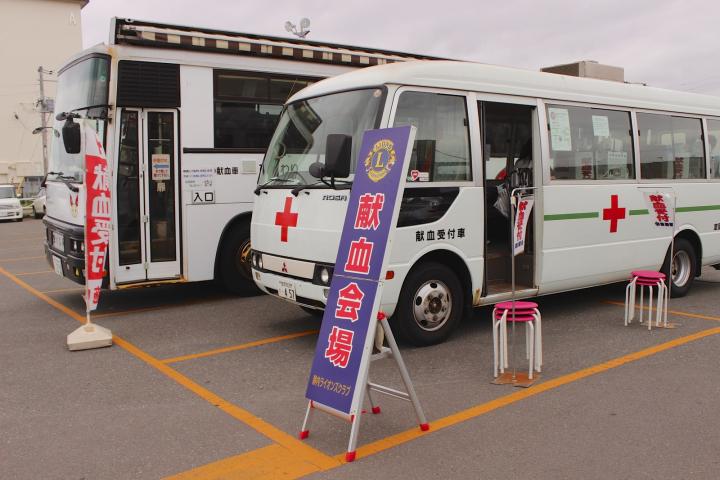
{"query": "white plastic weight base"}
(89, 336)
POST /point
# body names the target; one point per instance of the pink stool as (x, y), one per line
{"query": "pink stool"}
(527, 313)
(651, 280)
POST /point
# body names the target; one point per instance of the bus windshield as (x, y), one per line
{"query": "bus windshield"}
(83, 85)
(302, 130)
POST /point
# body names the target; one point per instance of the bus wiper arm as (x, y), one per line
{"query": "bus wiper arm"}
(344, 184)
(273, 179)
(66, 180)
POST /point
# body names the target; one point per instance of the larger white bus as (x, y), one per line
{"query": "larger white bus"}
(185, 115)
(588, 146)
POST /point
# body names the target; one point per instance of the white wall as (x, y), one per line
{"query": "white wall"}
(32, 33)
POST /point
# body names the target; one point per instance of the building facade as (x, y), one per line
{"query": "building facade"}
(33, 34)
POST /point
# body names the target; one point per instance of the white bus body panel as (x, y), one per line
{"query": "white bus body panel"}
(315, 239)
(59, 199)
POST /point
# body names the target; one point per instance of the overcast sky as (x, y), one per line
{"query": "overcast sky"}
(665, 43)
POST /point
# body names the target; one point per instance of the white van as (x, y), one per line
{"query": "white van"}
(10, 207)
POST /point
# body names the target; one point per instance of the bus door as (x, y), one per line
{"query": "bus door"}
(147, 233)
(507, 135)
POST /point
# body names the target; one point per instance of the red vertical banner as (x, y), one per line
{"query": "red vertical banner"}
(97, 216)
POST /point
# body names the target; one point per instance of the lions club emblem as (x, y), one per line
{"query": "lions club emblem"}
(380, 160)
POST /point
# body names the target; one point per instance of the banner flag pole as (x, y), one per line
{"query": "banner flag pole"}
(97, 236)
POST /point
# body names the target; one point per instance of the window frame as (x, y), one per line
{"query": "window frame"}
(250, 100)
(706, 137)
(543, 105)
(703, 133)
(472, 120)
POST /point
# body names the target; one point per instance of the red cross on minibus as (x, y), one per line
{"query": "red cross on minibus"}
(614, 213)
(286, 219)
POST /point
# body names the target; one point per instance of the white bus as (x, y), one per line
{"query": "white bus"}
(186, 115)
(586, 145)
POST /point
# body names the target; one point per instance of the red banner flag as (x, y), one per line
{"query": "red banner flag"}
(97, 216)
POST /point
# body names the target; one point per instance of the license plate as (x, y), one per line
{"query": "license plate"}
(4, 213)
(58, 241)
(287, 290)
(57, 265)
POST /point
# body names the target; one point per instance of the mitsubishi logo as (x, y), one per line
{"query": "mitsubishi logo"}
(286, 219)
(284, 267)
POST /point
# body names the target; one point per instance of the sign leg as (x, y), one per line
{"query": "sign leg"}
(354, 432)
(405, 376)
(305, 431)
(373, 407)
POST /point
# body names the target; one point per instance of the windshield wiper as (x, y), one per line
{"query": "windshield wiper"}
(66, 180)
(273, 179)
(345, 184)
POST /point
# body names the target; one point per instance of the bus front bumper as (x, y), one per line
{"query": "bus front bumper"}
(64, 250)
(306, 294)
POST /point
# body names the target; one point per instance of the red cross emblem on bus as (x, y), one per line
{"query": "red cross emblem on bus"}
(614, 213)
(286, 219)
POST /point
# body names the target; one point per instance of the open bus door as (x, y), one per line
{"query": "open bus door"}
(147, 196)
(509, 162)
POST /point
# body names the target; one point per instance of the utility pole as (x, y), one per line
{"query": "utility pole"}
(43, 116)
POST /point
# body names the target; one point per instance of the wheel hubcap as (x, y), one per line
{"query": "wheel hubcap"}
(432, 305)
(242, 259)
(681, 268)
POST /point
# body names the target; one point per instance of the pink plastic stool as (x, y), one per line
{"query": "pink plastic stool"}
(650, 280)
(527, 313)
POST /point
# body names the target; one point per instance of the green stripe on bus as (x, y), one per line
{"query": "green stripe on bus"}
(699, 208)
(642, 211)
(571, 216)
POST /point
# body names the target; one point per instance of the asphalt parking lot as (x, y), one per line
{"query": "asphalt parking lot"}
(200, 384)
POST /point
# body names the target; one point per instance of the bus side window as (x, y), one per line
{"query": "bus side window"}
(714, 142)
(590, 143)
(441, 152)
(670, 147)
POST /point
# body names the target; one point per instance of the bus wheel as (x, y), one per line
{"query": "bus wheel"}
(430, 305)
(234, 269)
(683, 267)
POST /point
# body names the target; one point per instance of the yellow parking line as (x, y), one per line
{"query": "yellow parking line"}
(7, 260)
(298, 449)
(242, 346)
(478, 410)
(671, 312)
(272, 462)
(21, 274)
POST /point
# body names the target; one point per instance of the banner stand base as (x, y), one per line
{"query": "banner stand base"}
(89, 336)
(409, 395)
(520, 379)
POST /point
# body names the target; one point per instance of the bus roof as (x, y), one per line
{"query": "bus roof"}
(478, 77)
(161, 35)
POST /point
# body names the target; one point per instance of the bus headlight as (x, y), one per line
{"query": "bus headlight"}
(325, 275)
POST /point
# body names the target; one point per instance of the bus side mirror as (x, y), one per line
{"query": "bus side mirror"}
(71, 136)
(338, 148)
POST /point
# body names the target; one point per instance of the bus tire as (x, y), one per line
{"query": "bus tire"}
(430, 306)
(234, 269)
(684, 267)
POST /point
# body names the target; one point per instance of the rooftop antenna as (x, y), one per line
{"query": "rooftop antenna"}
(302, 33)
